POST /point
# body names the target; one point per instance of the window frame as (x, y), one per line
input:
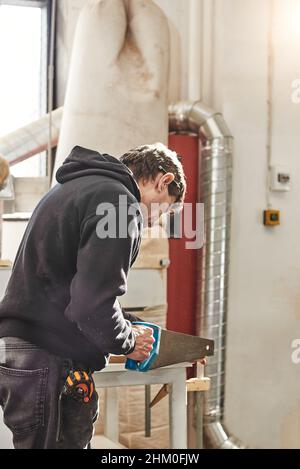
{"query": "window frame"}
(25, 3)
(46, 6)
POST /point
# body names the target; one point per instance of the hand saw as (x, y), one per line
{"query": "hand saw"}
(170, 348)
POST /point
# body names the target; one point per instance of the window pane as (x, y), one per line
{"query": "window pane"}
(21, 79)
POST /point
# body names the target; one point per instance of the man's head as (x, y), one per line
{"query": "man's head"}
(160, 177)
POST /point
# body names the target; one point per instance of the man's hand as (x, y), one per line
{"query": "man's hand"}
(144, 341)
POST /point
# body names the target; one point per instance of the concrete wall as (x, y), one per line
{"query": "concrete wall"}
(262, 398)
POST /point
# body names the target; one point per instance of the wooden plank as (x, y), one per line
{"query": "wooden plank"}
(101, 442)
(198, 384)
(154, 251)
(192, 385)
(117, 359)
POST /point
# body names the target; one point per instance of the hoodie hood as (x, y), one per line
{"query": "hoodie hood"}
(83, 162)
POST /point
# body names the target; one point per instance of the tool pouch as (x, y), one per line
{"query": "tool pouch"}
(80, 386)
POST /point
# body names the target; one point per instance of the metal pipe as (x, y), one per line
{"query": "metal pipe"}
(215, 191)
(31, 139)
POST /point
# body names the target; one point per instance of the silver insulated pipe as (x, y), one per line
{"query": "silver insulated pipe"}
(215, 187)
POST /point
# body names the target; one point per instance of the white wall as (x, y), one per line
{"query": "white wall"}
(262, 398)
(262, 384)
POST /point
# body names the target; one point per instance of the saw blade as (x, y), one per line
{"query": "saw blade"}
(176, 347)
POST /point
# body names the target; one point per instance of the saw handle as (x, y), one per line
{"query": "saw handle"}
(145, 365)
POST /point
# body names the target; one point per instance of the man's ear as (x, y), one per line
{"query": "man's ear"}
(164, 181)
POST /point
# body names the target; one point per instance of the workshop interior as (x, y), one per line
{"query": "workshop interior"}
(218, 82)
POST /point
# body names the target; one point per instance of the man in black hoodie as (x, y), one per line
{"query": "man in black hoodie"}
(60, 317)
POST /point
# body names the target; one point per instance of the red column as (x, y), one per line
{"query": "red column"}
(182, 273)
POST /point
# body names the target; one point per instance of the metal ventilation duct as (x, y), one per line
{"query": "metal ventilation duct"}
(215, 191)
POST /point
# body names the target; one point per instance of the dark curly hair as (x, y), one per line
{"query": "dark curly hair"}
(147, 161)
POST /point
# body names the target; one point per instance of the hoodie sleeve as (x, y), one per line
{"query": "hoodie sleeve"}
(131, 317)
(102, 269)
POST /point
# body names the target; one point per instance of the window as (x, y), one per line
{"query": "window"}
(23, 77)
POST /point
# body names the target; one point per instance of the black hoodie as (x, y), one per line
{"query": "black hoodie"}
(62, 294)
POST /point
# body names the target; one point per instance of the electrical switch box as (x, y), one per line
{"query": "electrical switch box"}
(280, 178)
